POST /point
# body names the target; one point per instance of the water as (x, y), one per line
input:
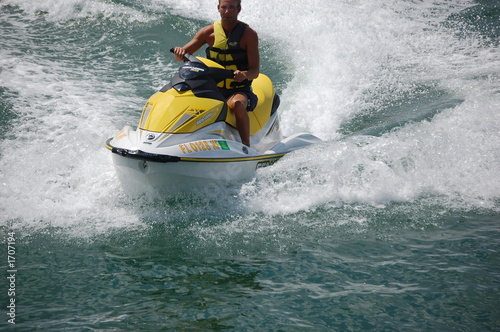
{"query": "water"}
(391, 224)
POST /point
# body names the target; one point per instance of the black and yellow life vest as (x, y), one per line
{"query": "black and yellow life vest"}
(227, 52)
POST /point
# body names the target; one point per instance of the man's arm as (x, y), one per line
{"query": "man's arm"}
(201, 38)
(251, 41)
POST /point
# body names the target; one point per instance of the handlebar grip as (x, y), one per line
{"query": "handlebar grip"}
(186, 55)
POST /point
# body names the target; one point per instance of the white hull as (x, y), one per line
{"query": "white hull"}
(196, 163)
(187, 173)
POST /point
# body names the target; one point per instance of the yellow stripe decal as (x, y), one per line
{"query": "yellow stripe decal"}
(219, 160)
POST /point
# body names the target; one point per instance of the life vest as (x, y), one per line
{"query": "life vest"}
(227, 52)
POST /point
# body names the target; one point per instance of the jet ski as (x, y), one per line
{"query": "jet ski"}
(187, 134)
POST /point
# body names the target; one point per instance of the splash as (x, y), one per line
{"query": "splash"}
(406, 101)
(65, 10)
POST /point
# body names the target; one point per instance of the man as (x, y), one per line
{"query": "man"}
(234, 45)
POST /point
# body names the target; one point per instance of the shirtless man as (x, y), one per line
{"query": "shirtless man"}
(234, 45)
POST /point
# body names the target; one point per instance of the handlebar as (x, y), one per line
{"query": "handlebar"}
(186, 55)
(218, 74)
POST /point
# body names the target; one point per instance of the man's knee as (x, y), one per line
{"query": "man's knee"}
(239, 107)
(238, 102)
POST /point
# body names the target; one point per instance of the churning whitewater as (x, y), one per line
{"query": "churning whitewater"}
(406, 110)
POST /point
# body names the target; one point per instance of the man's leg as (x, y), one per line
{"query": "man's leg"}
(238, 104)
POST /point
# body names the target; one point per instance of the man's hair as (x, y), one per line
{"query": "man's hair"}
(239, 2)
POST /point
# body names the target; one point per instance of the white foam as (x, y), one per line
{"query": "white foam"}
(64, 10)
(348, 57)
(454, 158)
(344, 57)
(54, 169)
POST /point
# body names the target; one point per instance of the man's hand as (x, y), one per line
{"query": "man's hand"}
(179, 53)
(239, 76)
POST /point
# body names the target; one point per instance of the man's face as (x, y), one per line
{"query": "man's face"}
(229, 10)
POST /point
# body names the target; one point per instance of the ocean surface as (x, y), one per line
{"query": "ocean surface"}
(391, 224)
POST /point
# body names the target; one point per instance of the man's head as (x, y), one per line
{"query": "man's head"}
(229, 10)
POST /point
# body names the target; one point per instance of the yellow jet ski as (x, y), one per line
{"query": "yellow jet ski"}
(187, 134)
